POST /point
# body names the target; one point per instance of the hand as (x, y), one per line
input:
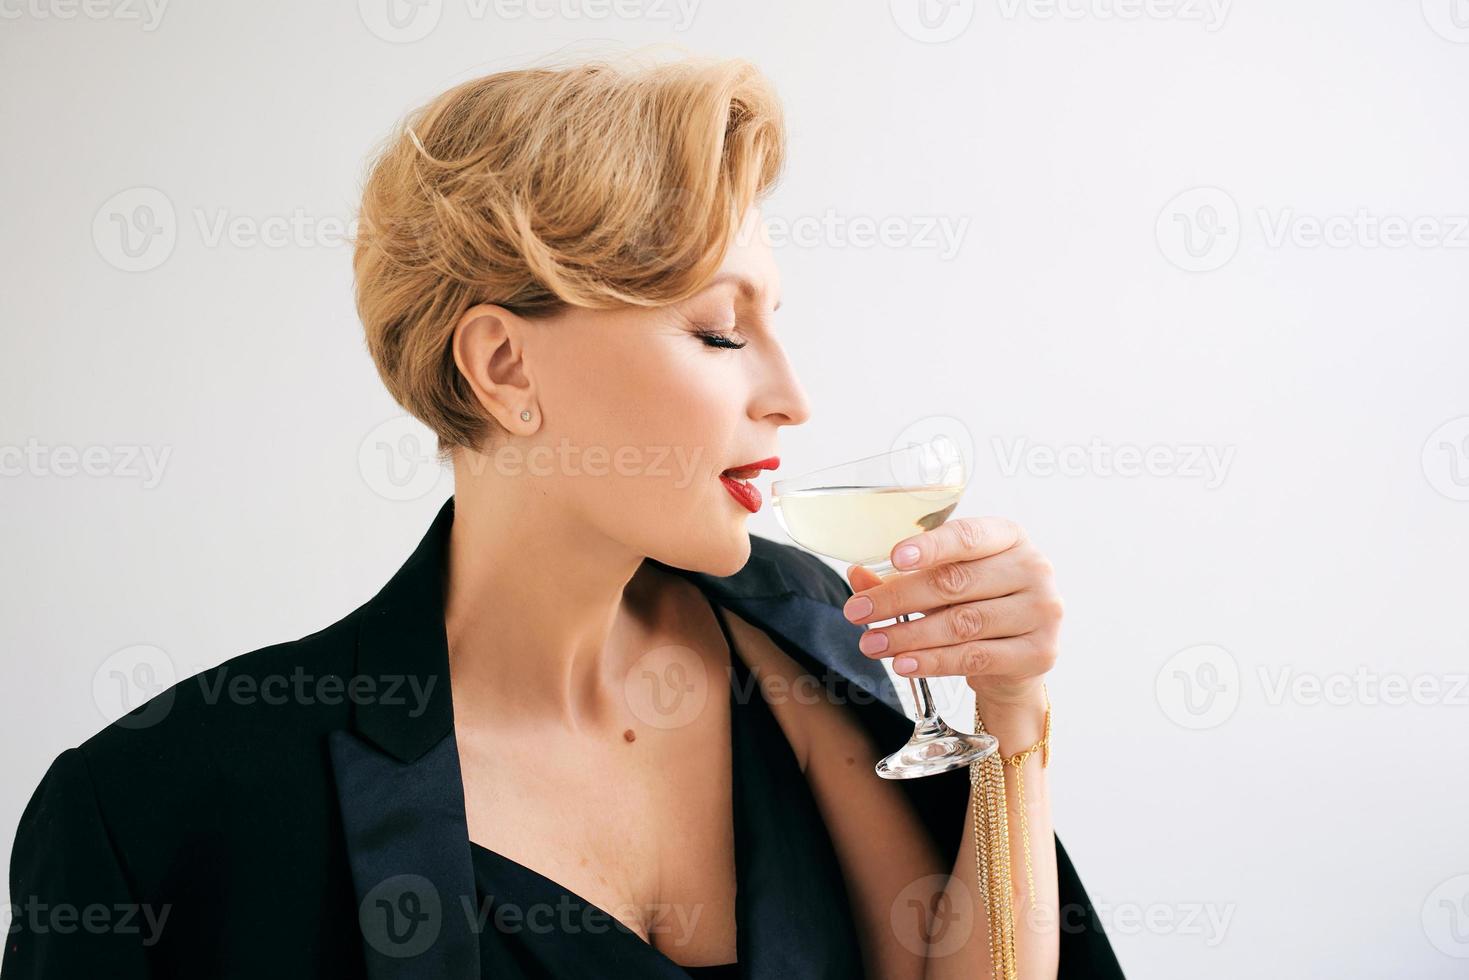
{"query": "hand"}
(990, 609)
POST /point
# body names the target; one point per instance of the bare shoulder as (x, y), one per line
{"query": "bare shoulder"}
(821, 731)
(837, 755)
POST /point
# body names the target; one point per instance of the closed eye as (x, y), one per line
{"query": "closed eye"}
(714, 339)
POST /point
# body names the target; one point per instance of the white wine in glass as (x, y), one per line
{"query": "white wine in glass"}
(856, 512)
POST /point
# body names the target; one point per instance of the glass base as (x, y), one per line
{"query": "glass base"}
(936, 748)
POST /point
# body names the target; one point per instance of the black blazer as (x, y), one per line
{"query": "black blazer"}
(298, 810)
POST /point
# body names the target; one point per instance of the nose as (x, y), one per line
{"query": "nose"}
(781, 399)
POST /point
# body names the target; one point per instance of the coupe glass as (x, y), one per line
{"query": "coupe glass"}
(857, 512)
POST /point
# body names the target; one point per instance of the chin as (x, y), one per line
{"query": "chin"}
(730, 558)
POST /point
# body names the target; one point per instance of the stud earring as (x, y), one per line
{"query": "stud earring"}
(525, 415)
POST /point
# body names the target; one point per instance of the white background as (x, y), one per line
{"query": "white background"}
(1227, 816)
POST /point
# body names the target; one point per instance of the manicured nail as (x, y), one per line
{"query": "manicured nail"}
(873, 642)
(857, 607)
(905, 665)
(906, 555)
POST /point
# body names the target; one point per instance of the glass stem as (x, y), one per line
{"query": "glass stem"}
(928, 716)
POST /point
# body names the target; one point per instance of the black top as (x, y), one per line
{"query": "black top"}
(580, 939)
(723, 971)
(298, 811)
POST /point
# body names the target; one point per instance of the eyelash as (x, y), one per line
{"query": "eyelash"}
(712, 338)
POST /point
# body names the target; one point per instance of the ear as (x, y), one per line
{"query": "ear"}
(489, 351)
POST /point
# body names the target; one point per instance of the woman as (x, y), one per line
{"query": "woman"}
(518, 759)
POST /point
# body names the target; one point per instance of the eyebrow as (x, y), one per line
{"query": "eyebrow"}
(746, 284)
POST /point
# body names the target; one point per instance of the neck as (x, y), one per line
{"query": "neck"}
(540, 611)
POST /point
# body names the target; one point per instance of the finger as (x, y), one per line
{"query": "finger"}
(1012, 656)
(861, 577)
(961, 539)
(943, 585)
(1012, 615)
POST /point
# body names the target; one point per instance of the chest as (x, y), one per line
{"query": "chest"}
(638, 822)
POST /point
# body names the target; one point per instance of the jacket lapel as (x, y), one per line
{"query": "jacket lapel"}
(398, 782)
(399, 786)
(408, 847)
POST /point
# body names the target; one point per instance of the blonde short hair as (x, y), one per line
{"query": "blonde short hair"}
(594, 185)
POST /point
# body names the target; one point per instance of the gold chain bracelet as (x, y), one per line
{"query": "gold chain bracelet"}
(992, 841)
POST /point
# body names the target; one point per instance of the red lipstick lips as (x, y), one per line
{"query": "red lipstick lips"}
(734, 477)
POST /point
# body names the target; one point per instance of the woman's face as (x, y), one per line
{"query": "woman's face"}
(640, 410)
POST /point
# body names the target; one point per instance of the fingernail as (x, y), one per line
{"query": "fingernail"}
(906, 555)
(873, 642)
(905, 665)
(857, 607)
